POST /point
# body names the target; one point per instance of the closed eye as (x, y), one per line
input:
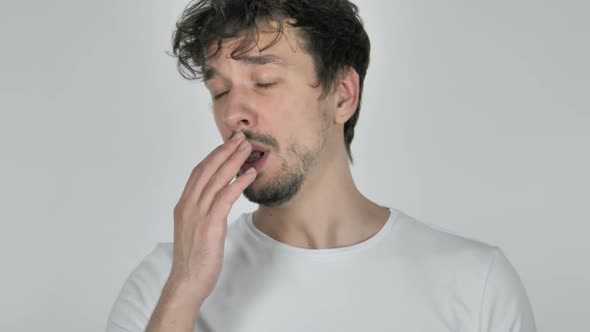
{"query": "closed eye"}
(260, 85)
(220, 95)
(265, 85)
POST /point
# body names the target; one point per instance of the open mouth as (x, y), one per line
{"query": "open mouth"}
(255, 155)
(256, 159)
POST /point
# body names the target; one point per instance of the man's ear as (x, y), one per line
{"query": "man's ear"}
(347, 94)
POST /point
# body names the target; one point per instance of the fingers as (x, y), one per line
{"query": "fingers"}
(200, 217)
(226, 198)
(201, 173)
(224, 175)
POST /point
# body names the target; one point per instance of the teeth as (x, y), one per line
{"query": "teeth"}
(254, 156)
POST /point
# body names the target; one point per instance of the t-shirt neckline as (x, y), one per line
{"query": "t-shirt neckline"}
(289, 249)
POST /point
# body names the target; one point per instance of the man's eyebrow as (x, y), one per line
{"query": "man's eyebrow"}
(257, 60)
(264, 59)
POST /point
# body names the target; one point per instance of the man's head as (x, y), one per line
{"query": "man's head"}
(284, 72)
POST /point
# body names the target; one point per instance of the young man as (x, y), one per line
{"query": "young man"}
(286, 79)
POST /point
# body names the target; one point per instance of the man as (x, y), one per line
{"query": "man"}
(286, 79)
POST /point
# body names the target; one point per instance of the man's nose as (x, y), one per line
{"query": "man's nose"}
(240, 109)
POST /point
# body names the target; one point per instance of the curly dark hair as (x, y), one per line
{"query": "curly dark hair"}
(331, 31)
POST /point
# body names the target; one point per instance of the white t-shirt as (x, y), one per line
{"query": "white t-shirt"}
(409, 276)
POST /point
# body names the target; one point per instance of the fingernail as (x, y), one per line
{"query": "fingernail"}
(238, 136)
(250, 170)
(243, 145)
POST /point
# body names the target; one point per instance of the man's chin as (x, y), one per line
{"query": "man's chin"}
(273, 194)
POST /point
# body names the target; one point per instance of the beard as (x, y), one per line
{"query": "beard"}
(287, 183)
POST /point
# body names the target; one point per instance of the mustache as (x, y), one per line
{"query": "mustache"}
(266, 140)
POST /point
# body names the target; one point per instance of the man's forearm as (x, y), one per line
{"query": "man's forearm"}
(177, 309)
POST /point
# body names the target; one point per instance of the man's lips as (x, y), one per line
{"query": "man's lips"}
(256, 147)
(258, 164)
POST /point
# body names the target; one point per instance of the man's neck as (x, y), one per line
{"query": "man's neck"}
(327, 212)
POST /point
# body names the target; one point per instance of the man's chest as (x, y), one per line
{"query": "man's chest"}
(321, 300)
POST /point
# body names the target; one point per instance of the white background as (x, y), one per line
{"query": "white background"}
(476, 117)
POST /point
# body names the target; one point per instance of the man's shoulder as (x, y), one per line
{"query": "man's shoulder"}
(466, 271)
(162, 252)
(429, 242)
(155, 266)
(141, 290)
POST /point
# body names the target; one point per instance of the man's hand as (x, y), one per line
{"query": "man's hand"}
(200, 228)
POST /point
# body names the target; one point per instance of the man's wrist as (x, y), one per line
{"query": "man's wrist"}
(183, 292)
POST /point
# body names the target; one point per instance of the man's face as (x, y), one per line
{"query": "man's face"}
(273, 98)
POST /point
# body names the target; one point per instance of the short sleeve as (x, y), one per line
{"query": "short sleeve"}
(505, 306)
(140, 293)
